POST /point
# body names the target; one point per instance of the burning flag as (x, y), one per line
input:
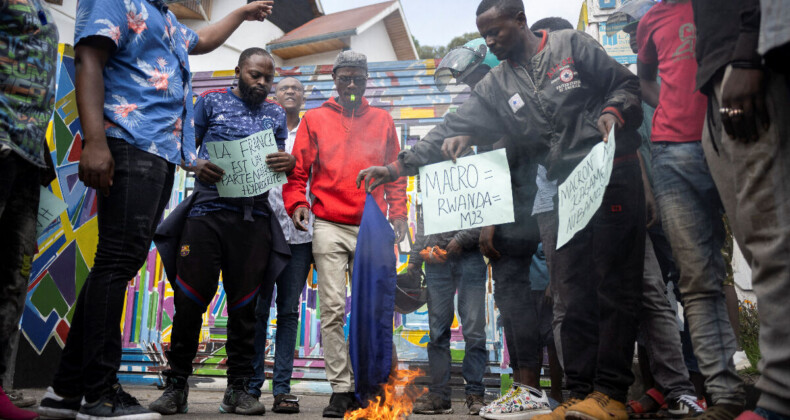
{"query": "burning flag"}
(373, 302)
(395, 401)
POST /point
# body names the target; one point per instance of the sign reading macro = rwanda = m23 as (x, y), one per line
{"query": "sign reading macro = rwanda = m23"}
(471, 193)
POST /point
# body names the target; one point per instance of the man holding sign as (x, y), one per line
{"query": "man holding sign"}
(559, 95)
(228, 228)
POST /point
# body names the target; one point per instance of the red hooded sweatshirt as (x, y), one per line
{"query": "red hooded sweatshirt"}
(337, 143)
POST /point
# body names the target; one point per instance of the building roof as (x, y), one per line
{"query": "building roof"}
(334, 31)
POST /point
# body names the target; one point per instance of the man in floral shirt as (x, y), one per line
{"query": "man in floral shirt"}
(134, 99)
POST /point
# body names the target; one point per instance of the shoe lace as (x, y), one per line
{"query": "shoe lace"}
(568, 403)
(601, 398)
(245, 399)
(471, 399)
(691, 403)
(123, 399)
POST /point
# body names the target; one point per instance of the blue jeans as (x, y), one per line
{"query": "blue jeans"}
(289, 288)
(127, 220)
(466, 274)
(691, 214)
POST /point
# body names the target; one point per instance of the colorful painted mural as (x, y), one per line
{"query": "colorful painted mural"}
(67, 246)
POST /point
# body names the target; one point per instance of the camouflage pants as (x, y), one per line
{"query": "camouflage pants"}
(19, 193)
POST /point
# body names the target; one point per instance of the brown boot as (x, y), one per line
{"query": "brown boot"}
(598, 406)
(559, 412)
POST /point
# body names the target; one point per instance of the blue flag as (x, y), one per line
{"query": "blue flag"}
(372, 302)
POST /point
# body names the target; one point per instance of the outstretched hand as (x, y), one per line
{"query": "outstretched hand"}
(373, 177)
(257, 10)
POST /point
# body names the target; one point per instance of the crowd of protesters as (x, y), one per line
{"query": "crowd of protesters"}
(702, 132)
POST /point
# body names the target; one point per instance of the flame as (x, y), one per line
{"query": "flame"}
(397, 403)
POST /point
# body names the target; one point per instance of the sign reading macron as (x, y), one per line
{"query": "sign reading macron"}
(244, 163)
(471, 193)
(582, 192)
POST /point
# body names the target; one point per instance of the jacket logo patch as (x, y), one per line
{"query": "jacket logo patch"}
(564, 78)
(566, 75)
(515, 102)
(184, 250)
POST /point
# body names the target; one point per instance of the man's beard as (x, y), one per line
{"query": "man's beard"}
(250, 95)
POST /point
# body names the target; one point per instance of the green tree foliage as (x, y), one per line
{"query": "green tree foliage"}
(430, 51)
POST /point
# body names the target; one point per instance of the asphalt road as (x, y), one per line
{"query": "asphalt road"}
(204, 404)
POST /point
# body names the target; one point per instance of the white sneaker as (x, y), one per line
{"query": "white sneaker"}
(514, 389)
(740, 360)
(523, 404)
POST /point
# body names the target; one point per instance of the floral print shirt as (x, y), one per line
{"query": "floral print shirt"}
(147, 83)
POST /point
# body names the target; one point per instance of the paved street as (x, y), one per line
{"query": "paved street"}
(204, 404)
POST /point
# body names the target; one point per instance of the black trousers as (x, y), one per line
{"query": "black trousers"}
(598, 274)
(127, 219)
(219, 241)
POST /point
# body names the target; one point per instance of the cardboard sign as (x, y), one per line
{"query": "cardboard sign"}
(582, 193)
(472, 193)
(49, 208)
(244, 163)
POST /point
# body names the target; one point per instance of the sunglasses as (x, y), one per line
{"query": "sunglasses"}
(346, 80)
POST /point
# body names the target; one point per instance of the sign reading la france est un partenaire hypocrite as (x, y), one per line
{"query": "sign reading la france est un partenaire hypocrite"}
(471, 193)
(244, 163)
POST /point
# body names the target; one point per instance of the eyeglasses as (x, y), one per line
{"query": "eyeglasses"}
(358, 80)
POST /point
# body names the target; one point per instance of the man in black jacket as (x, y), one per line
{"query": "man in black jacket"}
(745, 138)
(559, 94)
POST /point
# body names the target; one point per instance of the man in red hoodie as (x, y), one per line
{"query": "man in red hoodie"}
(334, 143)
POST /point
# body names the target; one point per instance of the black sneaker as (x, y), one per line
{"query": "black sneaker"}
(174, 399)
(54, 406)
(474, 403)
(238, 400)
(684, 406)
(339, 403)
(432, 404)
(116, 404)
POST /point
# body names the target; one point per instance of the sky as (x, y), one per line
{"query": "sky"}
(436, 22)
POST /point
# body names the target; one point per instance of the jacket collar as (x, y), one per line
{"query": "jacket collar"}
(332, 103)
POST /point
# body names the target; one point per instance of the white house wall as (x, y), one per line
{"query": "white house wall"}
(249, 34)
(312, 59)
(64, 19)
(375, 43)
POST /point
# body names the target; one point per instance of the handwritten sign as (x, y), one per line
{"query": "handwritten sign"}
(472, 193)
(582, 193)
(49, 208)
(244, 163)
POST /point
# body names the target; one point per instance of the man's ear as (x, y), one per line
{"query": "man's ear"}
(521, 17)
(238, 72)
